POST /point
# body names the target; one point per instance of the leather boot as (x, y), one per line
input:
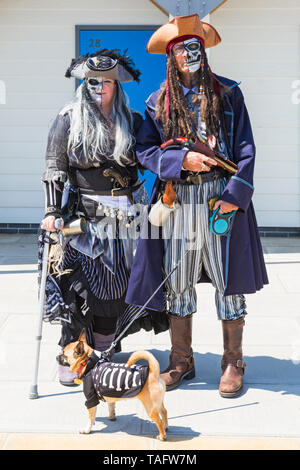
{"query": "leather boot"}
(231, 383)
(181, 360)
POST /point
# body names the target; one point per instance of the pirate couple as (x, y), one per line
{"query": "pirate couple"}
(96, 146)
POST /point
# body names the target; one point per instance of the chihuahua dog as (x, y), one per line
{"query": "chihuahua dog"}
(111, 382)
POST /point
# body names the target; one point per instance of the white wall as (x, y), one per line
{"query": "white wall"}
(37, 43)
(260, 47)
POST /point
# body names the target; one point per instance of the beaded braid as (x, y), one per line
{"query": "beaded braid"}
(177, 122)
(209, 104)
(180, 121)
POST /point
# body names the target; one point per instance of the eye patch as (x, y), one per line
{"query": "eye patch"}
(93, 81)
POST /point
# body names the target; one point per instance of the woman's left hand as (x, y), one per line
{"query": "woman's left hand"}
(225, 207)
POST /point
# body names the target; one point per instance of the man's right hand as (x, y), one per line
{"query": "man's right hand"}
(48, 224)
(194, 161)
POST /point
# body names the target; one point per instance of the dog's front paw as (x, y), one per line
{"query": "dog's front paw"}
(162, 437)
(86, 430)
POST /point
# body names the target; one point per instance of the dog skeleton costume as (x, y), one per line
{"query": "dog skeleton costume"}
(102, 378)
(92, 173)
(212, 110)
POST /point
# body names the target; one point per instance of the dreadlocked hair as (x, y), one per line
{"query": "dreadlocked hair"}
(179, 120)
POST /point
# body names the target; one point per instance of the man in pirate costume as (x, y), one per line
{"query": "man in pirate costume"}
(92, 176)
(198, 105)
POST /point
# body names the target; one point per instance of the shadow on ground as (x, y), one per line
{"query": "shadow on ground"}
(131, 423)
(263, 372)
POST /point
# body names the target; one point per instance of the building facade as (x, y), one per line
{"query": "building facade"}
(259, 48)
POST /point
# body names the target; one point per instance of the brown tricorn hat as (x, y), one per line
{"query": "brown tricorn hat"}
(190, 25)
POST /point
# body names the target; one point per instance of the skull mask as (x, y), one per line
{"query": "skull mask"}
(192, 46)
(94, 85)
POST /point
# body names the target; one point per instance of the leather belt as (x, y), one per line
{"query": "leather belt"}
(114, 192)
(204, 177)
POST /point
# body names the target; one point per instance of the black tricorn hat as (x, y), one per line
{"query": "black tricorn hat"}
(104, 63)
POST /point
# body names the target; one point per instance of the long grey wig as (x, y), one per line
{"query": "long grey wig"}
(90, 136)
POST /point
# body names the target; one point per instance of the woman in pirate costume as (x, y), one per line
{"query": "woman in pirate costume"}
(197, 105)
(91, 180)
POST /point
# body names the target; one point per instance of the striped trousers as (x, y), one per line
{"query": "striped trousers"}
(188, 229)
(103, 283)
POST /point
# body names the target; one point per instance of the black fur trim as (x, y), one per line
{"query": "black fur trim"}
(76, 62)
(115, 54)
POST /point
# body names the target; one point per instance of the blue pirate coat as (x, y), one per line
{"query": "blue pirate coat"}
(243, 263)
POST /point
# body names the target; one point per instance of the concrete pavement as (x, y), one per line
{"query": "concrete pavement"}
(265, 416)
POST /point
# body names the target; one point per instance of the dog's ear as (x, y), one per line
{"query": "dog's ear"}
(82, 336)
(79, 349)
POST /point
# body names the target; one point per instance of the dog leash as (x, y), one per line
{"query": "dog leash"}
(119, 337)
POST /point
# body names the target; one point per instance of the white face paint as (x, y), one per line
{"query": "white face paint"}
(193, 59)
(95, 85)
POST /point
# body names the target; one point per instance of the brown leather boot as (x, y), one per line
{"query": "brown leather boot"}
(231, 383)
(181, 366)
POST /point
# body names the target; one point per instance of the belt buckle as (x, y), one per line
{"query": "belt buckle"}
(194, 178)
(197, 179)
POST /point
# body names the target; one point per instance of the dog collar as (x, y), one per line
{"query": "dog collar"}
(81, 367)
(77, 380)
(90, 363)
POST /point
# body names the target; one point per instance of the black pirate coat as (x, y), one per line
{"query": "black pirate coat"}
(242, 256)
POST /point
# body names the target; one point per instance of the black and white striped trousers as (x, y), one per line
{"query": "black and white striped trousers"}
(104, 284)
(188, 228)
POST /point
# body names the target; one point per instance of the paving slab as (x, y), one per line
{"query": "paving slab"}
(265, 416)
(31, 441)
